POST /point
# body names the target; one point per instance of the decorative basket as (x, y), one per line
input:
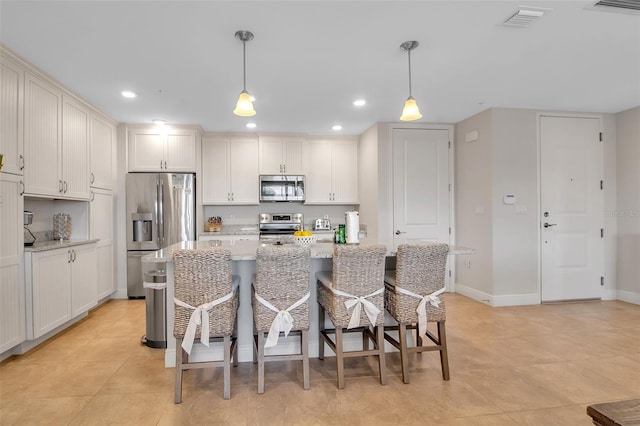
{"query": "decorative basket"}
(212, 227)
(304, 241)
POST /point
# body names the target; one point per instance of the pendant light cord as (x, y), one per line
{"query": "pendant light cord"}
(244, 66)
(409, 56)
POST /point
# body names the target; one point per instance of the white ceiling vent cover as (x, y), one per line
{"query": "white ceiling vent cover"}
(623, 6)
(524, 17)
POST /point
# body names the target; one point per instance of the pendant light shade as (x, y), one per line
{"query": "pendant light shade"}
(244, 106)
(410, 111)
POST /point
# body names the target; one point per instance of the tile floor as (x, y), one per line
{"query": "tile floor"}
(529, 365)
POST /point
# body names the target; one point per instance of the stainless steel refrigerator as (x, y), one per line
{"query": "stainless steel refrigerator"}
(160, 212)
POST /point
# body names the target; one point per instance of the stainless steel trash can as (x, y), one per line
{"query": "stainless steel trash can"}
(156, 309)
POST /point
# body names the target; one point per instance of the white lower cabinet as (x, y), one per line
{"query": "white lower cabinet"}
(61, 284)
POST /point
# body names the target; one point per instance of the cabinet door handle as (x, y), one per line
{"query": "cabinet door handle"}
(93, 196)
(68, 256)
(165, 164)
(284, 168)
(65, 186)
(93, 178)
(21, 157)
(74, 255)
(161, 164)
(22, 188)
(60, 186)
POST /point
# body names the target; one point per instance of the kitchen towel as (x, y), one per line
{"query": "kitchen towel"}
(352, 221)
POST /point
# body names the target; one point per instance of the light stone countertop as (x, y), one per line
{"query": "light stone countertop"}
(246, 250)
(56, 244)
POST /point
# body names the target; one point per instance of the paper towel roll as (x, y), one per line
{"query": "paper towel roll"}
(352, 221)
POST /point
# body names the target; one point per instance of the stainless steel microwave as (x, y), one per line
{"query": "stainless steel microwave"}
(281, 188)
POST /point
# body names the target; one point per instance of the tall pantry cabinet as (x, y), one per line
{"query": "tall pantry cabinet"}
(55, 147)
(12, 292)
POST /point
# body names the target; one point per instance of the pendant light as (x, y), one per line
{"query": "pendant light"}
(410, 111)
(244, 106)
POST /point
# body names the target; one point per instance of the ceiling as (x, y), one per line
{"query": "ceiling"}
(311, 59)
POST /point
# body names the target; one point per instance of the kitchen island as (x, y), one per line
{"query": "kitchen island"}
(243, 255)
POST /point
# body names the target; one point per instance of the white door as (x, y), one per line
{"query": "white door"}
(421, 185)
(571, 208)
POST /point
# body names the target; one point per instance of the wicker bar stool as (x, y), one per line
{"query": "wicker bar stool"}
(281, 304)
(411, 297)
(206, 305)
(352, 295)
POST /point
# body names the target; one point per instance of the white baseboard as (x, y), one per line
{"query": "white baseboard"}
(474, 294)
(628, 296)
(608, 294)
(501, 300)
(120, 293)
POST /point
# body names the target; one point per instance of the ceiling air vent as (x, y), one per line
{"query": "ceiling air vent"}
(524, 17)
(632, 6)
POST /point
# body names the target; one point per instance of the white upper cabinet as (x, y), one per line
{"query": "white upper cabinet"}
(229, 170)
(281, 155)
(162, 150)
(102, 140)
(56, 132)
(11, 116)
(75, 149)
(332, 171)
(42, 137)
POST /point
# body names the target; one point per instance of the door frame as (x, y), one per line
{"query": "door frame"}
(451, 265)
(539, 115)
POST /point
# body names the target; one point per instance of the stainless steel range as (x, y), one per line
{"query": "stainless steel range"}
(278, 228)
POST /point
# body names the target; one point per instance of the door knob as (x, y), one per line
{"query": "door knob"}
(548, 225)
(398, 232)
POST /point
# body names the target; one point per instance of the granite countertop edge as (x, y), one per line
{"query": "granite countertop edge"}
(56, 244)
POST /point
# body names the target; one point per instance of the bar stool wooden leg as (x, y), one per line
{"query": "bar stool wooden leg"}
(444, 356)
(227, 367)
(381, 360)
(260, 362)
(365, 341)
(178, 384)
(340, 357)
(321, 330)
(305, 358)
(404, 355)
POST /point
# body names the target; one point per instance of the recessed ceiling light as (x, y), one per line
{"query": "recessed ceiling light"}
(251, 125)
(337, 127)
(359, 102)
(159, 122)
(128, 94)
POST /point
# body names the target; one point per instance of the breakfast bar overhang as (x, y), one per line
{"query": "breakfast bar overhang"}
(243, 255)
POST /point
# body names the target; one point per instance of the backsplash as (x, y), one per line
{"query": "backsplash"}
(248, 215)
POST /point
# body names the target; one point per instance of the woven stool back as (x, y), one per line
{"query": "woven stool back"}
(358, 270)
(201, 276)
(282, 278)
(420, 268)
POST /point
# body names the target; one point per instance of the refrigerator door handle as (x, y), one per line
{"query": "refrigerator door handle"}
(160, 213)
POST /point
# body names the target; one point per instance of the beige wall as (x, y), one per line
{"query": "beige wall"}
(368, 180)
(504, 160)
(515, 230)
(628, 204)
(473, 206)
